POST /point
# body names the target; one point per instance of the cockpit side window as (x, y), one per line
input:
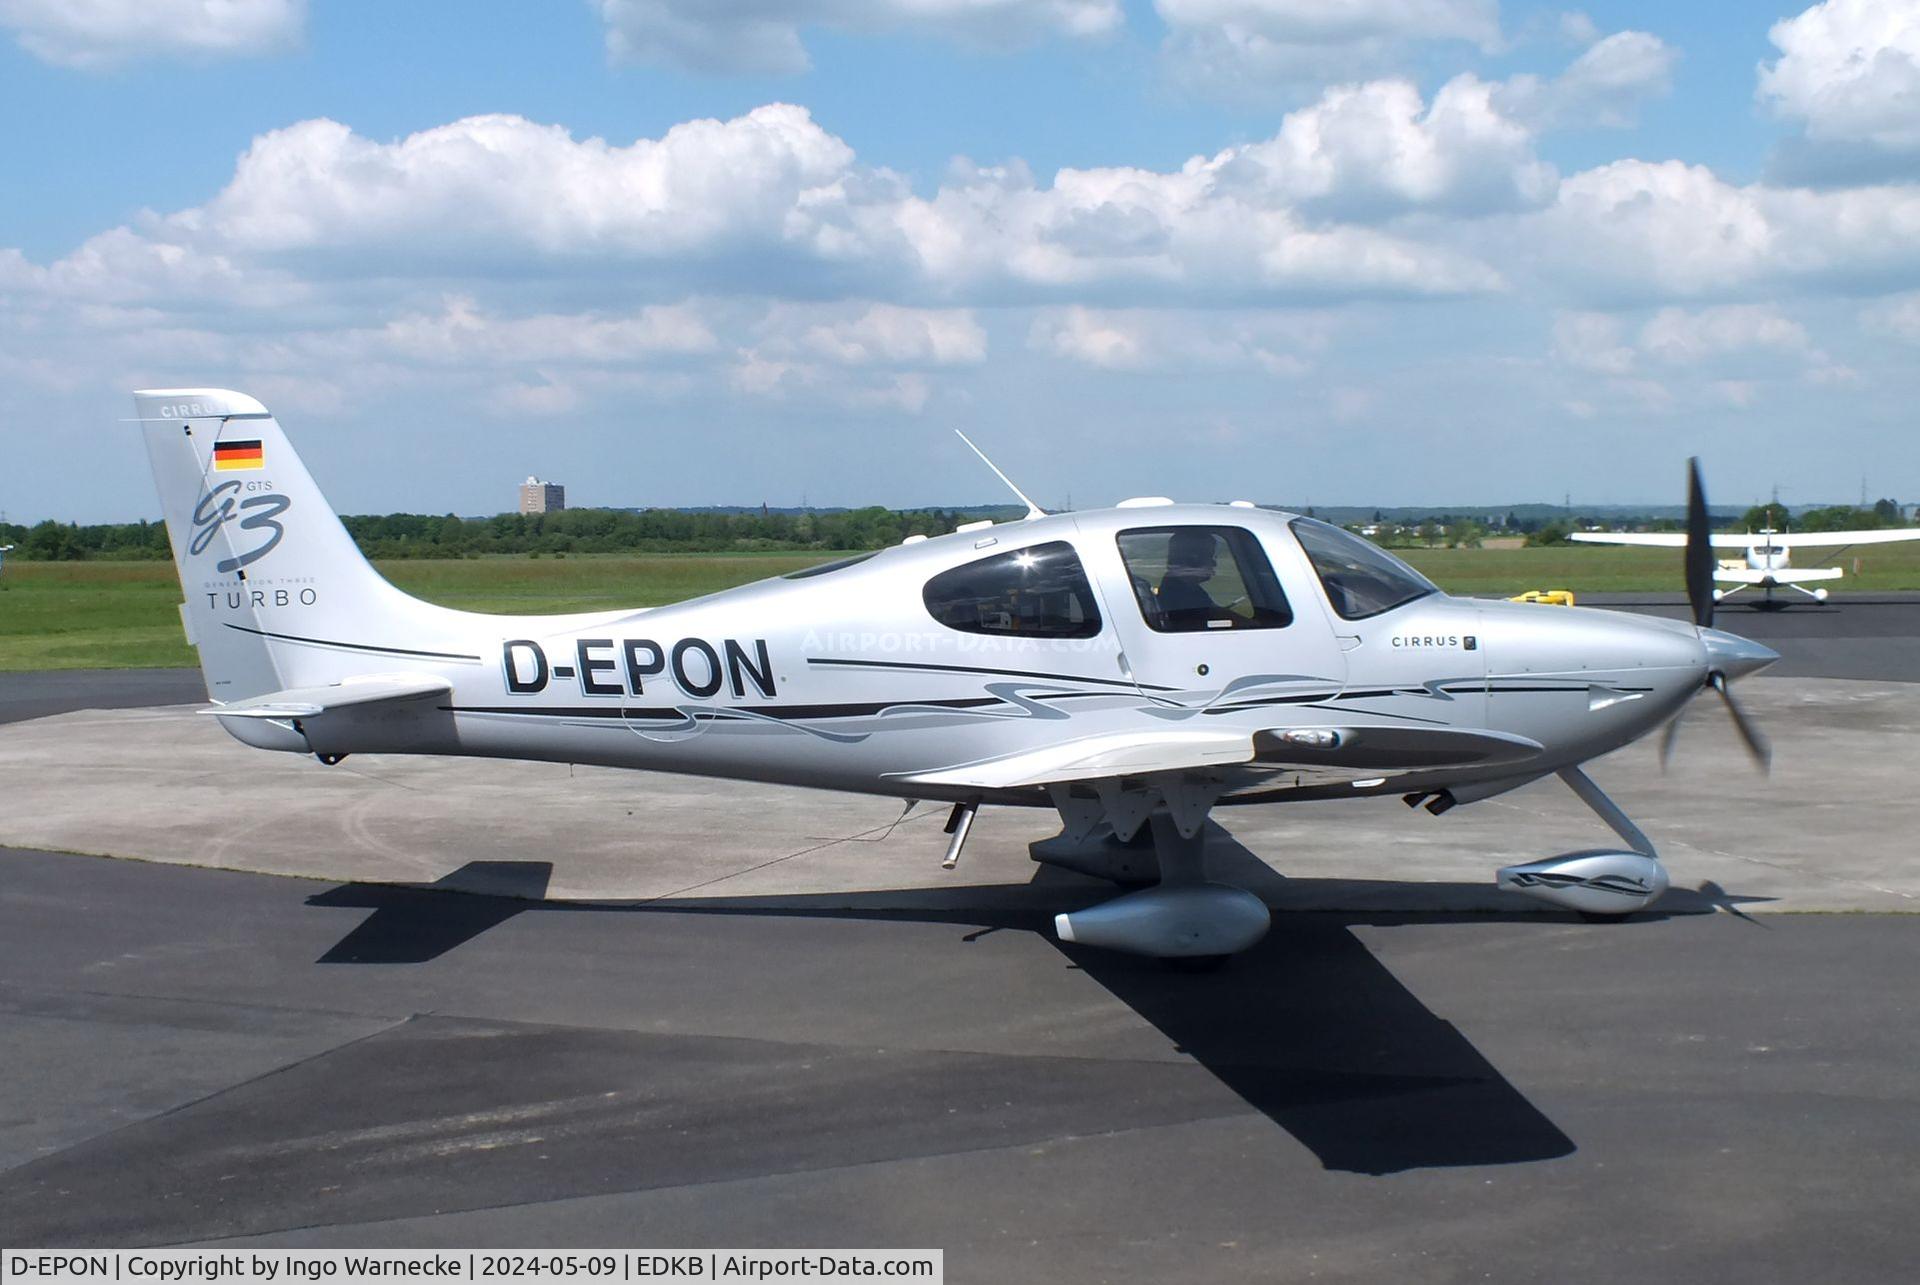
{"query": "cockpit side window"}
(1190, 579)
(1361, 578)
(1036, 592)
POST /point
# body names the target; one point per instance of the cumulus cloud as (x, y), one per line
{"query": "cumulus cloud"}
(1850, 71)
(1605, 85)
(1164, 339)
(464, 333)
(1721, 354)
(1680, 337)
(508, 263)
(771, 203)
(1638, 230)
(864, 356)
(1371, 149)
(1849, 77)
(487, 184)
(884, 334)
(107, 33)
(757, 374)
(1260, 46)
(763, 36)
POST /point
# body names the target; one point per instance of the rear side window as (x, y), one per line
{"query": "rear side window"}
(1192, 579)
(1039, 592)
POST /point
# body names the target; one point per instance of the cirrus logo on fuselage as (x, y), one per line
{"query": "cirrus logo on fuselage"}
(1465, 642)
(258, 512)
(623, 666)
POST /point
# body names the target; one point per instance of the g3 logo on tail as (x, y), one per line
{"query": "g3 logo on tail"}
(255, 513)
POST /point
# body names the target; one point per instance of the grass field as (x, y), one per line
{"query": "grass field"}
(110, 615)
(103, 615)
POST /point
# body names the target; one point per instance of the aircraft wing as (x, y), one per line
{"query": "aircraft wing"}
(1381, 748)
(1662, 539)
(308, 702)
(1828, 539)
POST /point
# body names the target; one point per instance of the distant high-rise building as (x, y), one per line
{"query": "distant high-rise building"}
(542, 497)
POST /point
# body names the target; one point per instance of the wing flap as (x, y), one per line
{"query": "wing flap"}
(310, 702)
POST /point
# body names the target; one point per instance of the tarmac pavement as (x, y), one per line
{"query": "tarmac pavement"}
(673, 1012)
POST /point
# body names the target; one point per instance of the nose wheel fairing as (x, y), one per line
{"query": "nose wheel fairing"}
(1599, 881)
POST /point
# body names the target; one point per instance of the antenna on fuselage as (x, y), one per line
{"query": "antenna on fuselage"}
(1033, 510)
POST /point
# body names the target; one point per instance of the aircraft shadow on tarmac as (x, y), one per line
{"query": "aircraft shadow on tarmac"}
(1308, 1027)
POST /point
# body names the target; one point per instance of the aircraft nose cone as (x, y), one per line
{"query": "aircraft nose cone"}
(1735, 656)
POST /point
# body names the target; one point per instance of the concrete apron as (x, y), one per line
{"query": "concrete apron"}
(1828, 831)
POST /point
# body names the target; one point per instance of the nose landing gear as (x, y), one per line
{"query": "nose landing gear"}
(1599, 883)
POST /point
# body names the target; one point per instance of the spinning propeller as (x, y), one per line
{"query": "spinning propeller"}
(1727, 654)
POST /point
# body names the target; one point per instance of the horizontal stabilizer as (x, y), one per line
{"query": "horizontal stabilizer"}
(309, 702)
(1743, 575)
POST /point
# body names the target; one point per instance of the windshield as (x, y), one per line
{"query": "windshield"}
(1361, 578)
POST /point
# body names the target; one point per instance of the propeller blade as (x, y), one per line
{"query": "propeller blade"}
(1699, 556)
(1756, 740)
(1668, 737)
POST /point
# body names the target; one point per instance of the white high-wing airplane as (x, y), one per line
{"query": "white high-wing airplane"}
(1766, 560)
(1132, 668)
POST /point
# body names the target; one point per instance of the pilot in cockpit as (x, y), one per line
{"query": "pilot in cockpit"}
(1183, 600)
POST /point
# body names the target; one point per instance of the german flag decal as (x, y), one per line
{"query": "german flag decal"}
(229, 456)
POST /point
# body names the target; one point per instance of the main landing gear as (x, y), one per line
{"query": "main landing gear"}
(1182, 916)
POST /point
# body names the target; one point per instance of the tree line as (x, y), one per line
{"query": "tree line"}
(1832, 517)
(420, 535)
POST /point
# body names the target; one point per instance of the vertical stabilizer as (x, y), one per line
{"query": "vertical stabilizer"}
(277, 595)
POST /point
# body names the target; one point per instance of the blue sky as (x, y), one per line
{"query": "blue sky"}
(1441, 250)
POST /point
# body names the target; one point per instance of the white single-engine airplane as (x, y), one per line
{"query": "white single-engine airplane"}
(1132, 668)
(1766, 560)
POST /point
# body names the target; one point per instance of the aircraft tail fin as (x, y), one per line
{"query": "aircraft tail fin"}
(278, 596)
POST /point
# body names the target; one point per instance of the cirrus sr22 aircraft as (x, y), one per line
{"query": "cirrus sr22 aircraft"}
(1133, 668)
